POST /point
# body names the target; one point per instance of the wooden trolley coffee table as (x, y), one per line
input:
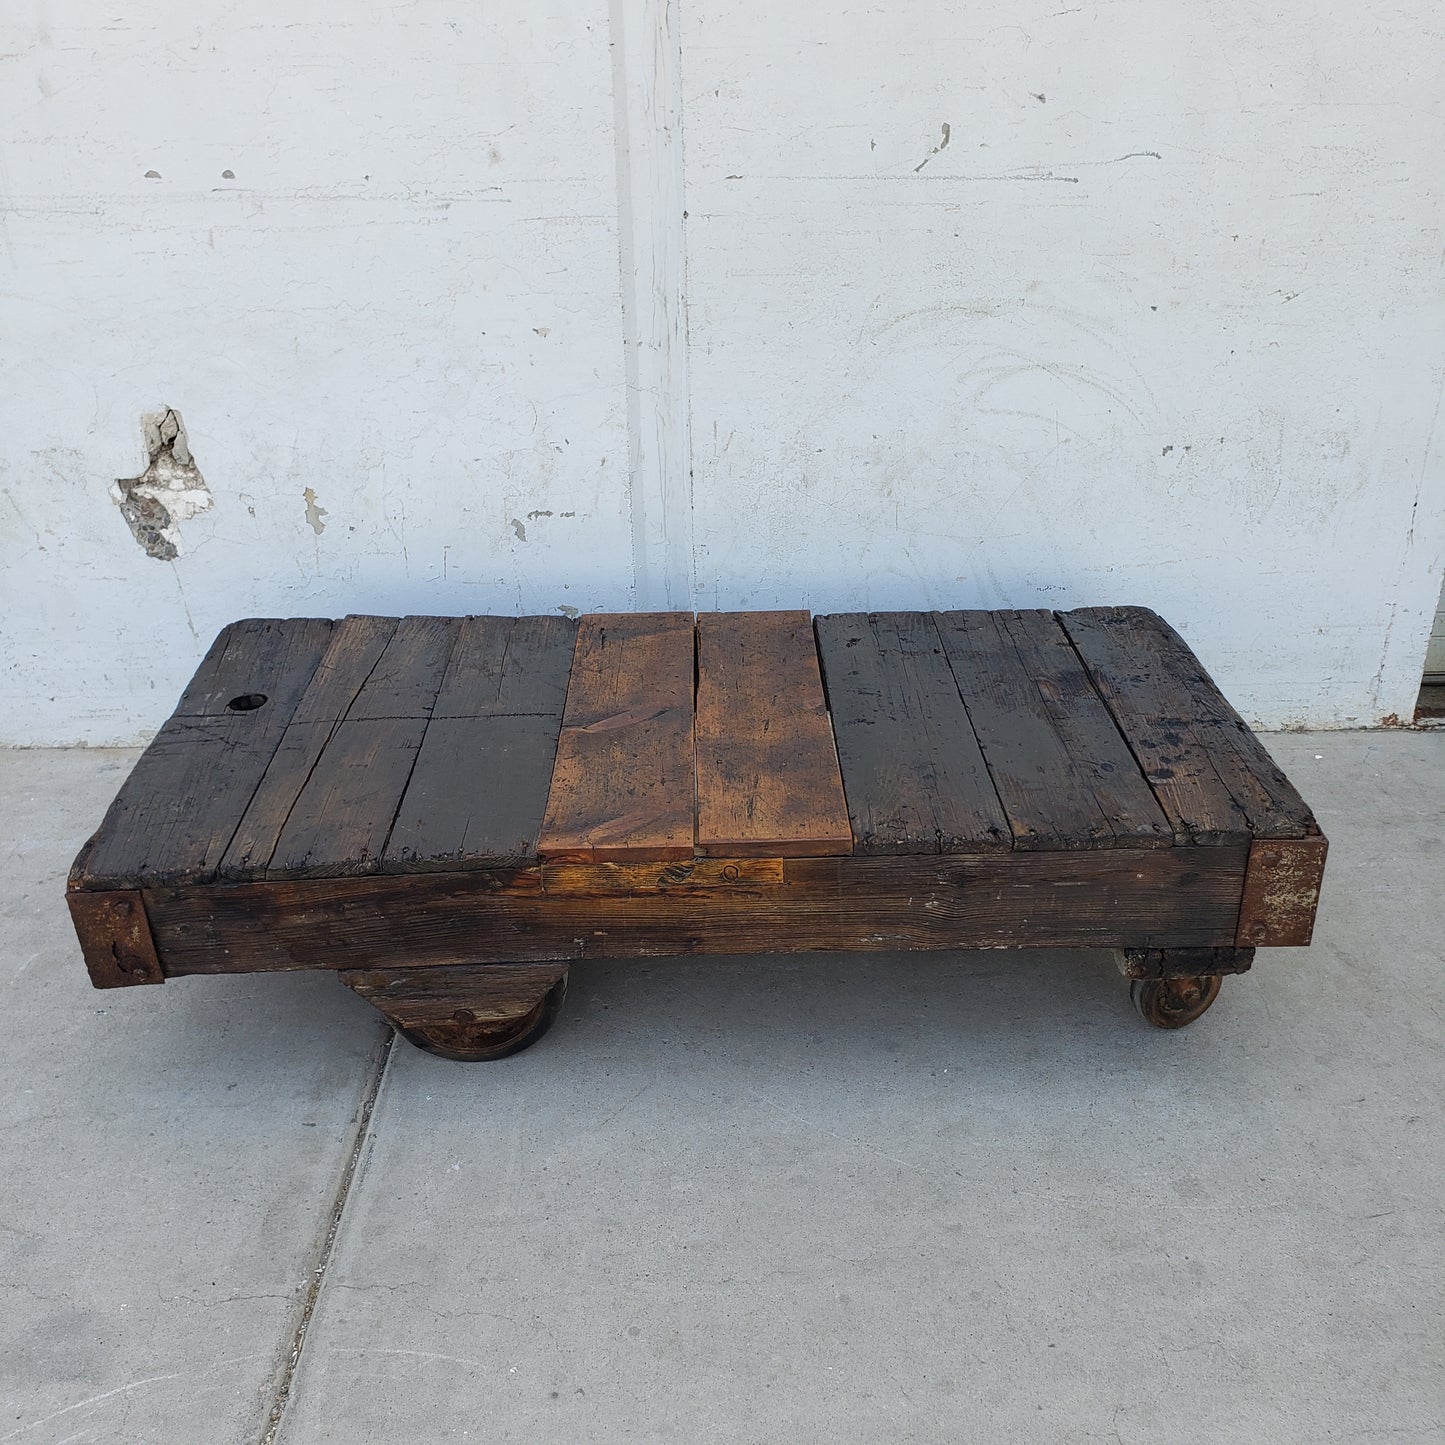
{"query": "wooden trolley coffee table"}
(446, 811)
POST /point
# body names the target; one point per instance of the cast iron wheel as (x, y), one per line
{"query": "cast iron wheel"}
(468, 1041)
(1170, 1003)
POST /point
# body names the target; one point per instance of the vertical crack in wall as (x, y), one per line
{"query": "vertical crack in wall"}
(170, 490)
(647, 101)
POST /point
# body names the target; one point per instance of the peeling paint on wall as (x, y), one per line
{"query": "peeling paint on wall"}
(314, 514)
(170, 490)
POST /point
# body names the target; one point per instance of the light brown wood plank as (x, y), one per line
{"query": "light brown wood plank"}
(622, 786)
(767, 770)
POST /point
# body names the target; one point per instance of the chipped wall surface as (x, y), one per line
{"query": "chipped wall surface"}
(969, 306)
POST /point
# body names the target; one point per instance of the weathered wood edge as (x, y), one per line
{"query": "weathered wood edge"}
(1182, 962)
(1165, 898)
(115, 937)
(469, 994)
(1281, 892)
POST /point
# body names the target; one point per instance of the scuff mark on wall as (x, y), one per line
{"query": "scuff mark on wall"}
(170, 490)
(314, 514)
(942, 145)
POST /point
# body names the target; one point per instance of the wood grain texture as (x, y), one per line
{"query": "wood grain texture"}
(342, 817)
(329, 797)
(767, 770)
(1061, 768)
(508, 667)
(176, 813)
(479, 788)
(1281, 892)
(476, 795)
(1162, 898)
(416, 998)
(354, 649)
(913, 773)
(622, 786)
(1211, 775)
(408, 674)
(695, 875)
(174, 816)
(356, 646)
(115, 937)
(268, 657)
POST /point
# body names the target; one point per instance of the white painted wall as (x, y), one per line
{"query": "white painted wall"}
(1161, 322)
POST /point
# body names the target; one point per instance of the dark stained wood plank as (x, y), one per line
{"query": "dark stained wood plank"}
(622, 785)
(340, 819)
(254, 842)
(479, 788)
(1211, 775)
(508, 667)
(409, 672)
(1063, 772)
(767, 771)
(339, 823)
(913, 773)
(355, 648)
(176, 813)
(476, 796)
(266, 657)
(1281, 892)
(1163, 898)
(363, 677)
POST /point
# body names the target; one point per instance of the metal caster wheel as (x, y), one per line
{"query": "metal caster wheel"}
(1171, 1003)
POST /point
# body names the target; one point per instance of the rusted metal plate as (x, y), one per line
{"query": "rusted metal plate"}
(115, 937)
(1281, 892)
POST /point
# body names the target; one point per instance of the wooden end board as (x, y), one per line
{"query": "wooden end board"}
(767, 771)
(1211, 775)
(622, 785)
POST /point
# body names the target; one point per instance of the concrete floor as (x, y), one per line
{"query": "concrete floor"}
(847, 1198)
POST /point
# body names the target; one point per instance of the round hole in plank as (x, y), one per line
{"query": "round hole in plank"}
(247, 702)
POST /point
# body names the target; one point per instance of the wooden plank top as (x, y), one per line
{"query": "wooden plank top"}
(1062, 770)
(767, 771)
(307, 748)
(1211, 775)
(913, 770)
(622, 784)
